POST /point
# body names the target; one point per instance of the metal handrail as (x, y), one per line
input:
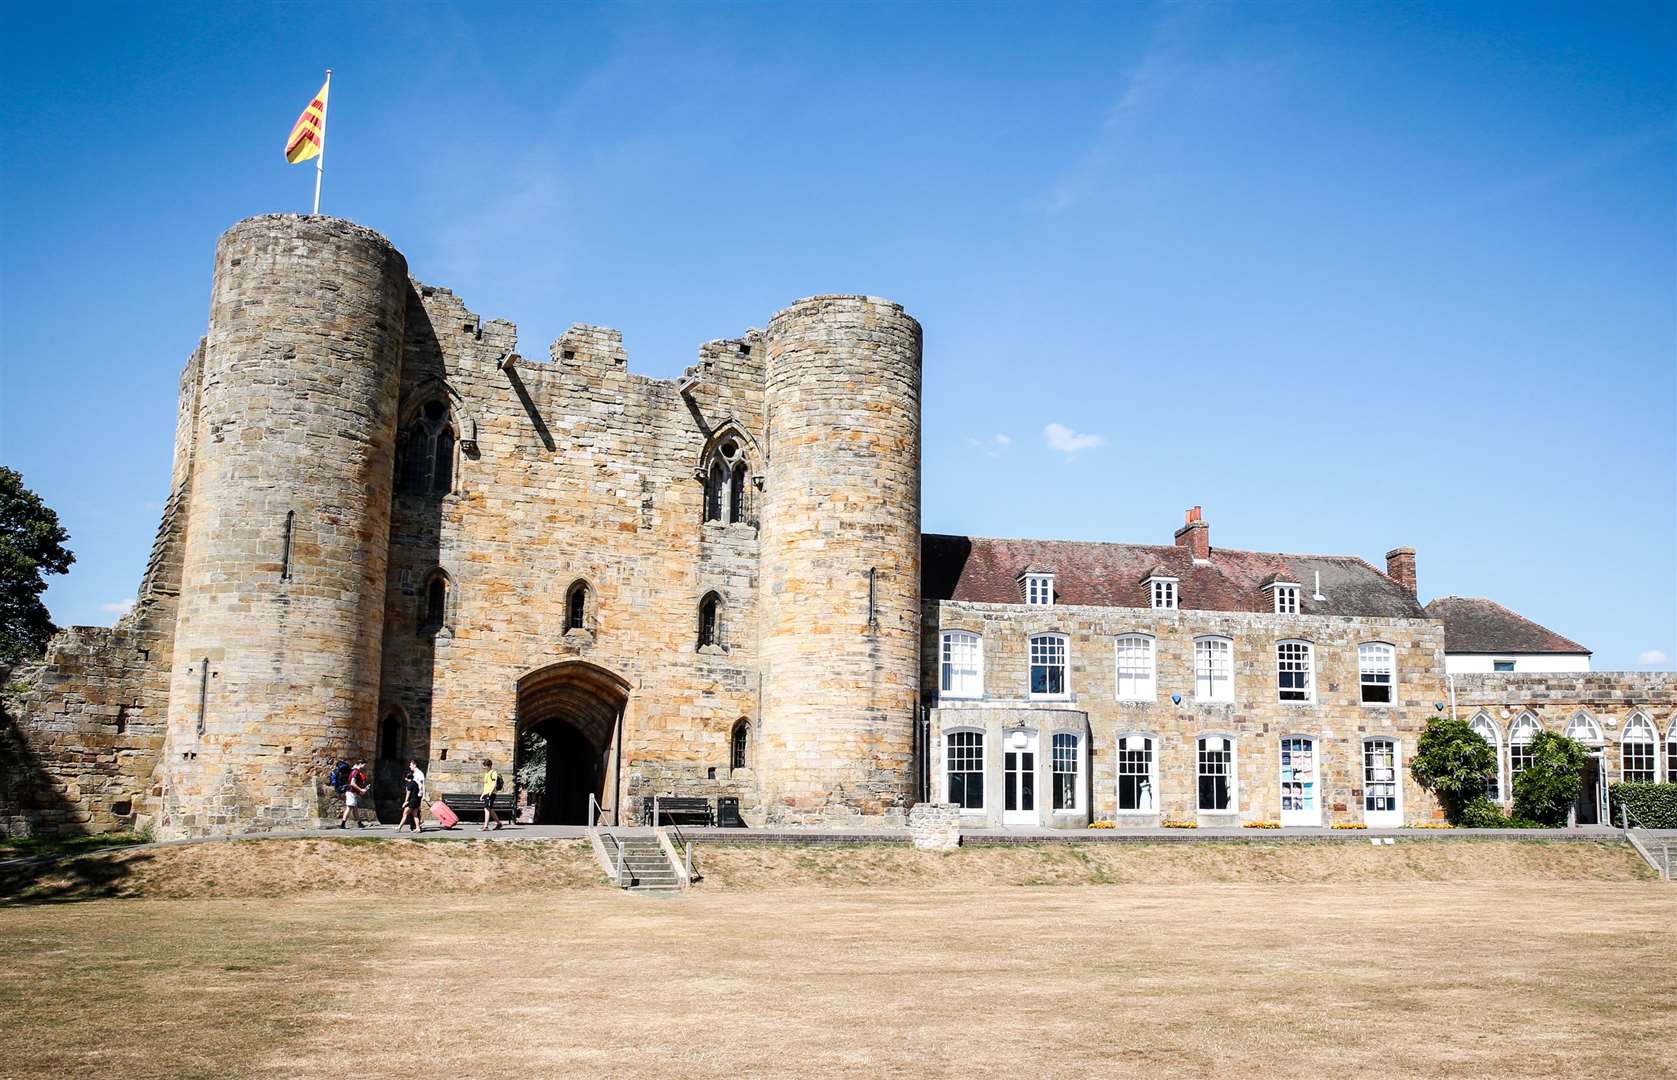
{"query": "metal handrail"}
(681, 840)
(618, 846)
(593, 810)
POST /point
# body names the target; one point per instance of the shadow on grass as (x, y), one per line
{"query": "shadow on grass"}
(65, 880)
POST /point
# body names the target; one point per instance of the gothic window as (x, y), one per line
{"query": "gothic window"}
(710, 617)
(390, 736)
(739, 743)
(728, 485)
(736, 493)
(427, 458)
(576, 607)
(1638, 759)
(436, 603)
(716, 491)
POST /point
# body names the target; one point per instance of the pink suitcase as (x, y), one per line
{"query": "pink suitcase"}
(448, 818)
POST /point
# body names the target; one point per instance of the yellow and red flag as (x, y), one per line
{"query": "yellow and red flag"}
(309, 135)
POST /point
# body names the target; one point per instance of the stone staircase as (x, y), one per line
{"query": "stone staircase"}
(646, 868)
(1658, 849)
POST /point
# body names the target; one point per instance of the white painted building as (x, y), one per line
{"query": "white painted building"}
(1482, 636)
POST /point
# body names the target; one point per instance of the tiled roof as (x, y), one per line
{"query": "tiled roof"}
(1473, 624)
(985, 570)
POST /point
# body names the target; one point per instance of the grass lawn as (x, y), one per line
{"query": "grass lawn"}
(1401, 978)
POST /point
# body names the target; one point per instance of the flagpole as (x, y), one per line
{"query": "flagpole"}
(320, 158)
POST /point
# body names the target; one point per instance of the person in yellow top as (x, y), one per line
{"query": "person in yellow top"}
(491, 784)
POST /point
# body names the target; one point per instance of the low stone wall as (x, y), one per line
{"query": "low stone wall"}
(935, 826)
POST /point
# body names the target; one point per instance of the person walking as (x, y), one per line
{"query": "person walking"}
(418, 778)
(491, 784)
(411, 804)
(353, 790)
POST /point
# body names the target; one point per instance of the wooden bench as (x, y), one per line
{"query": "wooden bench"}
(470, 807)
(694, 810)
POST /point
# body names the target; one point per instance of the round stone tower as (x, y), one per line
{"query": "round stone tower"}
(840, 600)
(277, 641)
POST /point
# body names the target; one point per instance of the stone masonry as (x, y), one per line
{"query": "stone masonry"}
(390, 535)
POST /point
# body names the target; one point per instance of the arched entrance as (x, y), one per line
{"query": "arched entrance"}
(569, 721)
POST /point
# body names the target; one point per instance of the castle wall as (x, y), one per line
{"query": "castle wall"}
(276, 662)
(574, 468)
(841, 560)
(1256, 719)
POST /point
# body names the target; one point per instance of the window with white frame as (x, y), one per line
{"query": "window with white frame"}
(1216, 773)
(961, 665)
(1502, 665)
(1671, 752)
(1583, 727)
(1375, 663)
(1138, 779)
(1638, 751)
(1293, 670)
(1135, 665)
(1485, 728)
(964, 766)
(1286, 599)
(1520, 734)
(1039, 589)
(1065, 771)
(1380, 778)
(1048, 665)
(1164, 593)
(1213, 669)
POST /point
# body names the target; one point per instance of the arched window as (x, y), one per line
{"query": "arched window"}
(1638, 751)
(1295, 670)
(1485, 728)
(1583, 728)
(427, 458)
(963, 768)
(739, 745)
(576, 607)
(710, 621)
(736, 493)
(390, 736)
(436, 602)
(1671, 752)
(716, 491)
(1520, 734)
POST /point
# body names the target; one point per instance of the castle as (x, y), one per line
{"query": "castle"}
(389, 535)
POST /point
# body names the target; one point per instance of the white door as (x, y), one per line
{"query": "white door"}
(1300, 804)
(1019, 779)
(1382, 784)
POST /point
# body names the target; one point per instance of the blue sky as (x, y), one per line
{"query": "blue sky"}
(1350, 276)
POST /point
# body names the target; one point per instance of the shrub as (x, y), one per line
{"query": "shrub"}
(1482, 813)
(1546, 789)
(1453, 763)
(1653, 806)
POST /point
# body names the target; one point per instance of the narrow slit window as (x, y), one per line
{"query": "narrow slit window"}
(709, 615)
(739, 744)
(736, 494)
(285, 551)
(576, 607)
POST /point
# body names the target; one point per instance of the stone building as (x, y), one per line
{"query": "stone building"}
(391, 536)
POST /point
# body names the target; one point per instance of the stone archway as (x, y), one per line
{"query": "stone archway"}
(573, 711)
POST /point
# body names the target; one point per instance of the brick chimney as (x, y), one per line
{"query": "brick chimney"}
(1400, 567)
(1195, 535)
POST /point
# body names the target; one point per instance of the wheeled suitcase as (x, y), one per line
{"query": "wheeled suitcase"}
(445, 817)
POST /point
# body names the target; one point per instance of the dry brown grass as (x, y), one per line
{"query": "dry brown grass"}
(1395, 978)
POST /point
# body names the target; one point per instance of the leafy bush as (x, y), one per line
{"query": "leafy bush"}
(1546, 789)
(1482, 813)
(1653, 806)
(1453, 763)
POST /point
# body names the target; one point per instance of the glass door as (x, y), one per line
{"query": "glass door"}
(1299, 802)
(1382, 787)
(1019, 779)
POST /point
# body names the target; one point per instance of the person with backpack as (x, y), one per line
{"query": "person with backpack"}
(411, 800)
(491, 784)
(355, 786)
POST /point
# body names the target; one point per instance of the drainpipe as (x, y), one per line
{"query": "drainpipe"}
(1450, 680)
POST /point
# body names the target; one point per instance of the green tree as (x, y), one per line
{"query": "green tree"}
(31, 547)
(1453, 763)
(1546, 789)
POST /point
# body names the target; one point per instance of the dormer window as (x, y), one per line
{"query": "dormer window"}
(1286, 599)
(1039, 590)
(1163, 592)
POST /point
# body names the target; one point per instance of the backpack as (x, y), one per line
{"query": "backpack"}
(339, 777)
(498, 781)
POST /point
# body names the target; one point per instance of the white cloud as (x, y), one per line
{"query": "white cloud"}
(994, 446)
(1066, 441)
(1650, 657)
(117, 607)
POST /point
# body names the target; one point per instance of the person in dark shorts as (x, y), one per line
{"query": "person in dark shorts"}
(410, 802)
(491, 784)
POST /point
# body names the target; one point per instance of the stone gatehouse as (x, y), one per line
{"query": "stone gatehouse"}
(389, 535)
